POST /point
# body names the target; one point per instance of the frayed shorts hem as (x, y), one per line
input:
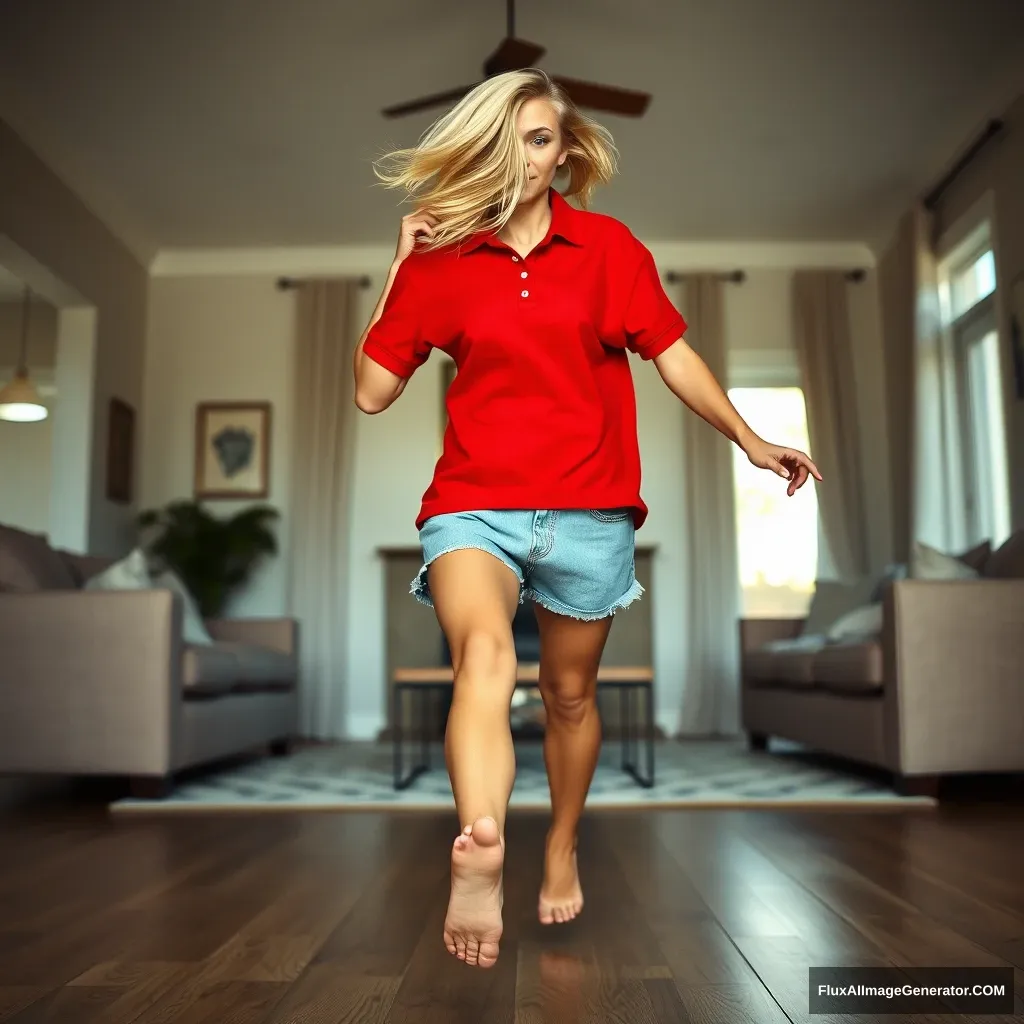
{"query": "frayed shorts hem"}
(418, 588)
(560, 608)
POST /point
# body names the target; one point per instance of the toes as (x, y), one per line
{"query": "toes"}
(544, 913)
(472, 952)
(488, 956)
(460, 947)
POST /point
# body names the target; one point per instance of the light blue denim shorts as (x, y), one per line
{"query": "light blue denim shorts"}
(576, 562)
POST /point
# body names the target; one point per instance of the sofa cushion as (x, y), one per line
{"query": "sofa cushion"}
(860, 624)
(84, 567)
(833, 599)
(128, 573)
(218, 668)
(780, 667)
(208, 669)
(260, 666)
(849, 667)
(28, 563)
(928, 563)
(1007, 561)
(192, 627)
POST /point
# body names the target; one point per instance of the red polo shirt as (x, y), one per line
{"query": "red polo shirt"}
(542, 411)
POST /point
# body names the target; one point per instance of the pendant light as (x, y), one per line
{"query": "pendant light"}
(19, 400)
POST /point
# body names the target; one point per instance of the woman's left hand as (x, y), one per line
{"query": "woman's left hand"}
(790, 463)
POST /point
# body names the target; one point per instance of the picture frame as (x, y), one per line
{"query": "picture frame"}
(120, 451)
(232, 451)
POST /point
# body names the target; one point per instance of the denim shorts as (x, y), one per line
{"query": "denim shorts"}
(576, 562)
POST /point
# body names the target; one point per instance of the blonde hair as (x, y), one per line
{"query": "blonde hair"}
(469, 169)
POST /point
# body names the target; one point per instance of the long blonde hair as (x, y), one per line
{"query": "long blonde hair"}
(469, 169)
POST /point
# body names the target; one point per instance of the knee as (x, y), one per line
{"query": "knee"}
(485, 657)
(569, 700)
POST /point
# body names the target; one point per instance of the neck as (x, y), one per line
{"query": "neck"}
(529, 222)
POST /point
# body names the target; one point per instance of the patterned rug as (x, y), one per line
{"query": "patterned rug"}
(351, 776)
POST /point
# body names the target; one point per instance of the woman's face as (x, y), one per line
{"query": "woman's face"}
(542, 140)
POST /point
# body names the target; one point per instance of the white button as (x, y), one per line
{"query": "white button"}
(515, 259)
(524, 274)
(524, 293)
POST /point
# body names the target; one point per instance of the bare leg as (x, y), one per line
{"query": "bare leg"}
(570, 654)
(475, 597)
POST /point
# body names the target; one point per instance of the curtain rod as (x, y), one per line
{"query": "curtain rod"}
(285, 283)
(990, 131)
(739, 276)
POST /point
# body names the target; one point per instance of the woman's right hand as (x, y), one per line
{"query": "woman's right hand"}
(413, 225)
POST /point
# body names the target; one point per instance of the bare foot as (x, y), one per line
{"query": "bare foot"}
(472, 928)
(561, 897)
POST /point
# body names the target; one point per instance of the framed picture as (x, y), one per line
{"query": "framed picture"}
(120, 451)
(232, 450)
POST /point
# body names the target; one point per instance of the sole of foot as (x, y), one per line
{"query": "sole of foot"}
(561, 897)
(472, 928)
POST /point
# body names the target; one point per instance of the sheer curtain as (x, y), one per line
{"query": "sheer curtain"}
(322, 452)
(821, 326)
(710, 703)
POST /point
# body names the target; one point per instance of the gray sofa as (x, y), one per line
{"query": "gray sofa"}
(938, 691)
(103, 683)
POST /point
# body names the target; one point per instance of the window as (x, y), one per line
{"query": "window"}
(967, 289)
(777, 535)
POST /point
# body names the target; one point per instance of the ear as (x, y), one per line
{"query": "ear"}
(563, 156)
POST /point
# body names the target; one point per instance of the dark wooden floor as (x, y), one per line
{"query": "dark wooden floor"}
(705, 916)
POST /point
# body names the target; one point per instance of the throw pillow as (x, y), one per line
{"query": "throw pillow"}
(129, 573)
(193, 628)
(928, 563)
(832, 599)
(862, 623)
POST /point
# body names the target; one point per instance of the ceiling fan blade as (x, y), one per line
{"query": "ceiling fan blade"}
(439, 99)
(604, 97)
(511, 55)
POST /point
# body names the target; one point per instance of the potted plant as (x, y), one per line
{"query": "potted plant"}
(212, 557)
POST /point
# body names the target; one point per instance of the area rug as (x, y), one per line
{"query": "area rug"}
(351, 776)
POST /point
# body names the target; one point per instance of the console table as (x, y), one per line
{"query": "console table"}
(636, 716)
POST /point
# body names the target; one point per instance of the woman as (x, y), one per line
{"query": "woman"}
(536, 493)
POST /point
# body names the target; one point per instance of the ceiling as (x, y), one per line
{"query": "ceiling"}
(253, 122)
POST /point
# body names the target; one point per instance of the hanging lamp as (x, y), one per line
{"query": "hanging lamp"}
(19, 399)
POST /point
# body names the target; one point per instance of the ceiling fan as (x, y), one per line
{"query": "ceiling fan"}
(514, 54)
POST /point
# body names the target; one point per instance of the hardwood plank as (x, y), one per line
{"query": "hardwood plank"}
(692, 916)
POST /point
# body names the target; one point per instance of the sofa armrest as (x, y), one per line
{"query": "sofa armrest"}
(90, 681)
(754, 633)
(277, 634)
(954, 655)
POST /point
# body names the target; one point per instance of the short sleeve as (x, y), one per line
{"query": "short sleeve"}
(652, 322)
(398, 340)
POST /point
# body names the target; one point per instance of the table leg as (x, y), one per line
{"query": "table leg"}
(630, 762)
(404, 781)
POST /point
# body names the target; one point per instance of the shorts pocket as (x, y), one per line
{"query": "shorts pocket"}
(611, 515)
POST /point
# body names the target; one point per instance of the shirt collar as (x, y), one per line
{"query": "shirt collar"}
(566, 222)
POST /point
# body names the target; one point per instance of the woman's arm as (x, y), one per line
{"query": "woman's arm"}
(376, 386)
(689, 379)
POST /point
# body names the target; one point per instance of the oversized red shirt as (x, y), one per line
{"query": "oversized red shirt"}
(542, 410)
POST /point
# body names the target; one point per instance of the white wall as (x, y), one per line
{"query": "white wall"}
(217, 339)
(26, 448)
(43, 219)
(219, 329)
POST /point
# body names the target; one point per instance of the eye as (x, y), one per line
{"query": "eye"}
(543, 139)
